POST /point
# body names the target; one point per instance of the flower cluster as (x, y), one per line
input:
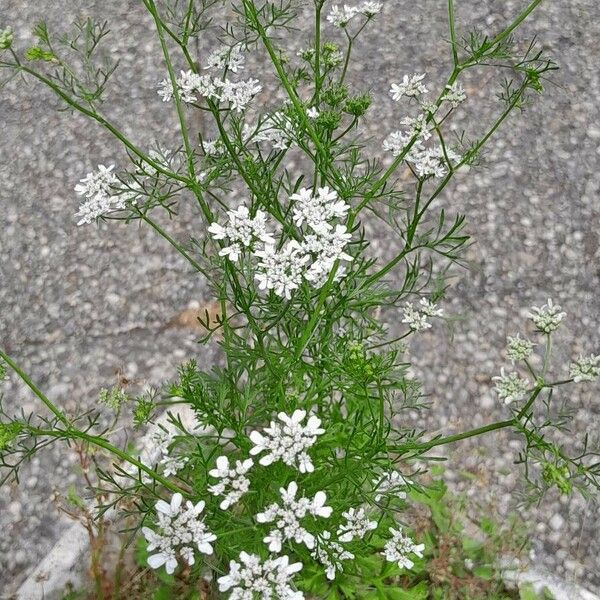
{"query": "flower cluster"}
(411, 86)
(340, 17)
(230, 58)
(171, 464)
(190, 85)
(330, 554)
(510, 388)
(455, 95)
(98, 189)
(180, 530)
(242, 231)
(399, 547)
(270, 579)
(282, 268)
(316, 210)
(288, 442)
(233, 482)
(426, 161)
(418, 318)
(390, 483)
(357, 525)
(288, 515)
(518, 348)
(547, 318)
(432, 161)
(585, 368)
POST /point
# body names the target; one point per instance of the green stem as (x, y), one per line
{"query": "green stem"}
(27, 380)
(92, 114)
(452, 24)
(173, 243)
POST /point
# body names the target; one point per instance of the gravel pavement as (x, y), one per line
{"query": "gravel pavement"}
(79, 304)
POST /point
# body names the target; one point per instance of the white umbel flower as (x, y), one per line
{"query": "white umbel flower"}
(399, 547)
(271, 579)
(548, 317)
(98, 193)
(340, 17)
(325, 249)
(288, 441)
(455, 95)
(585, 368)
(418, 318)
(510, 387)
(330, 554)
(237, 93)
(411, 86)
(242, 231)
(390, 483)
(180, 529)
(518, 348)
(233, 482)
(281, 270)
(288, 516)
(357, 525)
(317, 209)
(230, 58)
(370, 9)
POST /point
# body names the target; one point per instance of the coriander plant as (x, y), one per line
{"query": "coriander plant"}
(294, 480)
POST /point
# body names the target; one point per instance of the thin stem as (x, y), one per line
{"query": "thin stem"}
(92, 114)
(31, 385)
(452, 24)
(173, 243)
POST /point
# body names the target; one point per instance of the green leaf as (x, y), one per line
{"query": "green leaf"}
(527, 592)
(484, 572)
(37, 53)
(418, 592)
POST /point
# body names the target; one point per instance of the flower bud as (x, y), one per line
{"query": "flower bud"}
(6, 38)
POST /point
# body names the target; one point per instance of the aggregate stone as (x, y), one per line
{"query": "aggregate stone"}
(79, 304)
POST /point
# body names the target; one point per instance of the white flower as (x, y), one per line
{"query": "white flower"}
(242, 231)
(173, 464)
(276, 129)
(234, 484)
(270, 579)
(179, 529)
(190, 85)
(317, 209)
(518, 348)
(510, 388)
(100, 199)
(313, 112)
(326, 249)
(390, 483)
(399, 547)
(370, 9)
(455, 94)
(165, 90)
(417, 319)
(237, 93)
(547, 318)
(396, 141)
(213, 147)
(340, 17)
(330, 554)
(411, 86)
(288, 515)
(288, 442)
(228, 58)
(585, 368)
(429, 308)
(357, 525)
(281, 270)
